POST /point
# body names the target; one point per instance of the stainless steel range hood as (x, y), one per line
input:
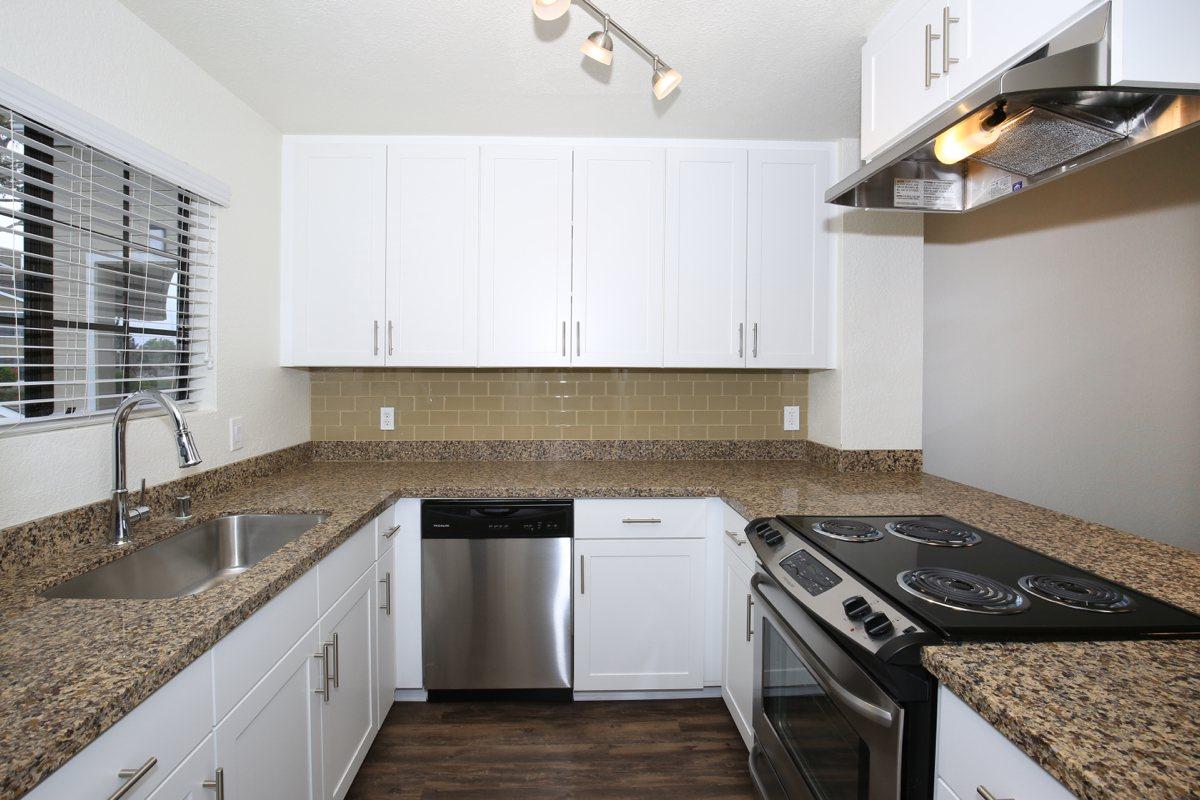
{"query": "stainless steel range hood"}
(1055, 112)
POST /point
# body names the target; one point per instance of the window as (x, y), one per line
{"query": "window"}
(106, 280)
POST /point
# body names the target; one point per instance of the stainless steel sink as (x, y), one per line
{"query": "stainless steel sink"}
(192, 560)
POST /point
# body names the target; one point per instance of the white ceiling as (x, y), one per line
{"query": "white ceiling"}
(764, 69)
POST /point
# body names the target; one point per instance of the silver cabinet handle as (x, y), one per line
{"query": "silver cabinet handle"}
(390, 532)
(581, 574)
(375, 339)
(323, 654)
(641, 520)
(132, 776)
(755, 350)
(733, 535)
(930, 38)
(947, 21)
(337, 662)
(741, 340)
(389, 337)
(749, 614)
(387, 589)
(217, 783)
(564, 337)
(578, 338)
(985, 794)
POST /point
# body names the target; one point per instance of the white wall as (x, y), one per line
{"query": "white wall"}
(873, 399)
(1062, 344)
(100, 57)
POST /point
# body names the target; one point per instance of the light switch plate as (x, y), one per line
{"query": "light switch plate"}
(791, 418)
(237, 434)
(387, 418)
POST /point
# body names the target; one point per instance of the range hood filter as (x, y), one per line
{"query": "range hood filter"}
(1042, 140)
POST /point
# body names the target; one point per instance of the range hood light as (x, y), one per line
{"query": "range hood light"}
(972, 135)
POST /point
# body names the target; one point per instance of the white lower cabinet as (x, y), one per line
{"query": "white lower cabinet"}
(385, 637)
(971, 754)
(639, 614)
(738, 661)
(406, 595)
(348, 712)
(196, 778)
(269, 746)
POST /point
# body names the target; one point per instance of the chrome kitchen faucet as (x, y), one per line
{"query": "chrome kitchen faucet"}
(122, 516)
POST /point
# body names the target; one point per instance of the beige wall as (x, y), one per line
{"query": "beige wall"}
(1062, 344)
(551, 404)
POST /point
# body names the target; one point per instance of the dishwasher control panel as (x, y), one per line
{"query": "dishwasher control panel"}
(482, 519)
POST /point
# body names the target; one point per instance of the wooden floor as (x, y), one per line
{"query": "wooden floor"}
(644, 749)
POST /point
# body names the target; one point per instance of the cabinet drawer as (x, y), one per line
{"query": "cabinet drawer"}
(971, 753)
(338, 571)
(387, 525)
(243, 657)
(733, 531)
(640, 519)
(167, 726)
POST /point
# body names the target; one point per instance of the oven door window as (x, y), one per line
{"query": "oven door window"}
(827, 751)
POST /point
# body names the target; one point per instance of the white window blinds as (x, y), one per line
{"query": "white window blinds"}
(106, 280)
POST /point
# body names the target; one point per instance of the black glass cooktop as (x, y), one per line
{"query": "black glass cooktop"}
(971, 584)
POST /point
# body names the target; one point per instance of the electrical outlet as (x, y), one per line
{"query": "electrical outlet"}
(387, 418)
(791, 418)
(237, 434)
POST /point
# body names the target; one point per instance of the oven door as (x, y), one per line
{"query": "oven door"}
(826, 727)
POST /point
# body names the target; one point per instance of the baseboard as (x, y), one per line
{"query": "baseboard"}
(411, 695)
(673, 694)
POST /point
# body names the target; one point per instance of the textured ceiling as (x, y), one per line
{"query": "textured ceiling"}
(763, 69)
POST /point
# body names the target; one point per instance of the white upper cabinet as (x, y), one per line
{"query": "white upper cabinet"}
(705, 290)
(789, 263)
(525, 256)
(899, 62)
(618, 257)
(334, 202)
(432, 254)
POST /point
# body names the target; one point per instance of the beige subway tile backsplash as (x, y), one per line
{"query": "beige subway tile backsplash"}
(493, 404)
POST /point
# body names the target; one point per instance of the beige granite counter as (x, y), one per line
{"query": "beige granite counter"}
(71, 668)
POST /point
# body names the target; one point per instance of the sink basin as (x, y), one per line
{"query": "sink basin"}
(192, 560)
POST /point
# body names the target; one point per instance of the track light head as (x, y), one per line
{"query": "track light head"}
(550, 9)
(665, 80)
(599, 46)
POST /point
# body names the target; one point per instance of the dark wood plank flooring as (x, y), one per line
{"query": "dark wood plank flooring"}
(645, 749)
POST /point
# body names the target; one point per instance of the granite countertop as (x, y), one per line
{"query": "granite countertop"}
(1109, 720)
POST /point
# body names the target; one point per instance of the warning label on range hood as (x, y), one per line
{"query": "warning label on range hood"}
(931, 193)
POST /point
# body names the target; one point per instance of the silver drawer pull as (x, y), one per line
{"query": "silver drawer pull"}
(749, 617)
(641, 520)
(581, 584)
(132, 776)
(390, 532)
(218, 784)
(323, 654)
(387, 593)
(733, 535)
(986, 795)
(337, 662)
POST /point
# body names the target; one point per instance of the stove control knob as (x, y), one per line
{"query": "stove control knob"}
(772, 538)
(856, 606)
(877, 625)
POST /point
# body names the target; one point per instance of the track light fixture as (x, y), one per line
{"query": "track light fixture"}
(599, 45)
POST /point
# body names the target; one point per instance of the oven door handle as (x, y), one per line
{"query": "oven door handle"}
(760, 585)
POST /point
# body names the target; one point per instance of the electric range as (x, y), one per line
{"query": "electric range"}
(844, 605)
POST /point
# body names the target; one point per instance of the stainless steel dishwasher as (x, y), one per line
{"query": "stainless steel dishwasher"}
(496, 597)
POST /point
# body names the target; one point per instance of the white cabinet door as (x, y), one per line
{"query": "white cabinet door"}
(990, 34)
(187, 781)
(525, 256)
(705, 258)
(789, 263)
(895, 92)
(639, 614)
(269, 746)
(348, 718)
(618, 257)
(334, 203)
(384, 643)
(406, 595)
(738, 650)
(432, 255)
